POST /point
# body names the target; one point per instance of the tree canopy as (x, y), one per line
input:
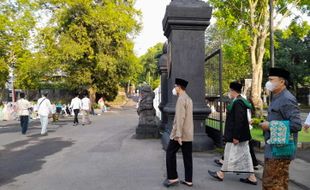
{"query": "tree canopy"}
(70, 44)
(249, 20)
(149, 66)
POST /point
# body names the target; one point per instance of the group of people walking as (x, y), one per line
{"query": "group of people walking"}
(44, 110)
(237, 157)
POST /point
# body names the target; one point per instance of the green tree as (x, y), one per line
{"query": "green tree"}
(292, 53)
(16, 23)
(235, 56)
(148, 61)
(252, 17)
(91, 42)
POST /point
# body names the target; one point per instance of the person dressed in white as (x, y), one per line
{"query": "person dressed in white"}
(86, 107)
(44, 109)
(23, 107)
(76, 105)
(307, 124)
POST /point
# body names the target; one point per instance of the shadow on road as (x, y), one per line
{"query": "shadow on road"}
(34, 125)
(27, 156)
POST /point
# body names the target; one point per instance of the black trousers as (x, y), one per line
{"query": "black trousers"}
(171, 161)
(76, 113)
(24, 120)
(254, 159)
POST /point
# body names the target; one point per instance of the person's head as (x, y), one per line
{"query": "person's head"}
(179, 86)
(45, 94)
(235, 89)
(278, 80)
(85, 93)
(22, 95)
(76, 94)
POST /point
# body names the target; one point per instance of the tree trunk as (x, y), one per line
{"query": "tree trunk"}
(259, 35)
(92, 95)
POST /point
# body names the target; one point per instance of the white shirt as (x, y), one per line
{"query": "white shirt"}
(76, 103)
(85, 103)
(44, 106)
(307, 122)
(22, 107)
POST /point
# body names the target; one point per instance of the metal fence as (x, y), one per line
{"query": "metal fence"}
(214, 91)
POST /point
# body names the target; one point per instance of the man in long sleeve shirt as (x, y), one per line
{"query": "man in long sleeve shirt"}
(283, 107)
(23, 106)
(76, 105)
(181, 136)
(44, 109)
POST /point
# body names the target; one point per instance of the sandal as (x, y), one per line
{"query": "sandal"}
(167, 183)
(186, 183)
(214, 174)
(217, 161)
(246, 180)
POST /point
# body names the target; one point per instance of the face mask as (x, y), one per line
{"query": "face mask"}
(270, 86)
(174, 92)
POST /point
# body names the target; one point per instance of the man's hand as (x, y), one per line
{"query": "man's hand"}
(235, 141)
(179, 139)
(264, 125)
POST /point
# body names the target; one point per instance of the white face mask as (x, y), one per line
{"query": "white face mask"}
(270, 86)
(174, 92)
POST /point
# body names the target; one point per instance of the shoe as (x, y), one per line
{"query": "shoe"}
(167, 183)
(186, 183)
(44, 134)
(246, 180)
(217, 161)
(214, 174)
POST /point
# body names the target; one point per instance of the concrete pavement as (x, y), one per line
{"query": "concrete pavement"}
(102, 156)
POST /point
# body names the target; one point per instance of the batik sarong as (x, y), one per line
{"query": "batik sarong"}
(276, 174)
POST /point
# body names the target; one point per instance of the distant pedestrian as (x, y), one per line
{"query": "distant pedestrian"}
(102, 105)
(86, 108)
(54, 117)
(182, 135)
(282, 109)
(23, 107)
(237, 157)
(1, 111)
(76, 105)
(58, 110)
(44, 109)
(307, 124)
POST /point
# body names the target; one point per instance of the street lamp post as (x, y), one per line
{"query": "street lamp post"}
(271, 33)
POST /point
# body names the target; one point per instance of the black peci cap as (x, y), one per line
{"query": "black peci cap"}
(181, 82)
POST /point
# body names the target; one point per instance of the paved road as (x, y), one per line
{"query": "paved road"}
(103, 156)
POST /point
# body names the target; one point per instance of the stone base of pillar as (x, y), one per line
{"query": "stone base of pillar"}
(202, 143)
(165, 138)
(147, 132)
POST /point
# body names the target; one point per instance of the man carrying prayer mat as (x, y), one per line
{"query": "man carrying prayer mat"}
(283, 107)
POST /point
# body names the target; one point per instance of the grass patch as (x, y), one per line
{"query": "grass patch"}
(303, 136)
(213, 123)
(257, 134)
